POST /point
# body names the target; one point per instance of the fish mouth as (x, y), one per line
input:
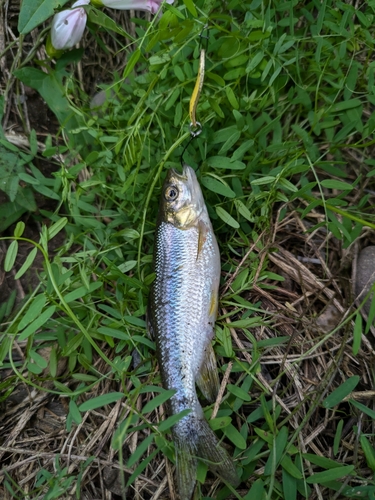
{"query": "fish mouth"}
(184, 176)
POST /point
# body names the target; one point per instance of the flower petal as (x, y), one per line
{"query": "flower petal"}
(68, 27)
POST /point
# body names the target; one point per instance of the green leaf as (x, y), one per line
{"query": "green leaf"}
(72, 346)
(74, 411)
(227, 218)
(277, 449)
(141, 448)
(57, 227)
(28, 262)
(11, 255)
(47, 192)
(334, 184)
(37, 323)
(127, 266)
(20, 227)
(25, 199)
(330, 475)
(369, 452)
(99, 18)
(28, 178)
(172, 99)
(141, 467)
(223, 335)
(337, 438)
(289, 466)
(368, 411)
(266, 436)
(172, 420)
(217, 187)
(112, 332)
(33, 143)
(84, 377)
(324, 462)
(34, 12)
(191, 7)
(39, 360)
(267, 179)
(344, 105)
(50, 87)
(341, 392)
(82, 291)
(34, 368)
(131, 63)
(53, 362)
(238, 392)
(133, 320)
(245, 323)
(289, 484)
(99, 401)
(230, 142)
(235, 73)
(232, 98)
(219, 423)
(33, 311)
(257, 491)
(241, 150)
(224, 162)
(216, 78)
(288, 185)
(233, 435)
(10, 213)
(243, 210)
(254, 61)
(157, 401)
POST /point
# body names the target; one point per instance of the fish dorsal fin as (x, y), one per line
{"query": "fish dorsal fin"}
(202, 236)
(208, 378)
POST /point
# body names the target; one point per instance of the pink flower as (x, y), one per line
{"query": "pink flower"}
(149, 5)
(68, 26)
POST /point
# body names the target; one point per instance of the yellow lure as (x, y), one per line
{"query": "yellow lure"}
(197, 89)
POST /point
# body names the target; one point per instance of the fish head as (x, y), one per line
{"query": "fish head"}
(182, 201)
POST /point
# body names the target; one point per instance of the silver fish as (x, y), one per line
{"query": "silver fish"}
(181, 314)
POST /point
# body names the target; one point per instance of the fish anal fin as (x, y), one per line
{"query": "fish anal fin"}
(208, 378)
(202, 236)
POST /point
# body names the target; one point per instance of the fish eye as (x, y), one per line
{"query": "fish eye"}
(171, 193)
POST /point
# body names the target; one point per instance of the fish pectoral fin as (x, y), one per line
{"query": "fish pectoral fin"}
(208, 378)
(202, 236)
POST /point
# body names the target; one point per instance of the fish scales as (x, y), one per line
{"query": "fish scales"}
(182, 288)
(181, 314)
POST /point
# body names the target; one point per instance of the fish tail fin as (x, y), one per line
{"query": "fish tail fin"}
(186, 468)
(199, 442)
(217, 457)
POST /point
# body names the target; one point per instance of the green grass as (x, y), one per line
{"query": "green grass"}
(288, 122)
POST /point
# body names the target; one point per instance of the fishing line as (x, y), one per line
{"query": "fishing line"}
(195, 126)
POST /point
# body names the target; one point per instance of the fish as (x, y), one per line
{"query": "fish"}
(182, 310)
